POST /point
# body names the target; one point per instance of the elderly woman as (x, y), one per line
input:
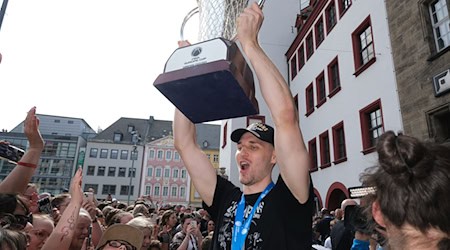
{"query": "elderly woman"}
(412, 182)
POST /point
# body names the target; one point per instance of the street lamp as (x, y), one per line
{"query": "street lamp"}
(135, 138)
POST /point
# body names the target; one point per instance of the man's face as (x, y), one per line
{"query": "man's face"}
(255, 159)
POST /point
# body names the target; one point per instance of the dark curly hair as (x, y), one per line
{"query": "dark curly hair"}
(412, 182)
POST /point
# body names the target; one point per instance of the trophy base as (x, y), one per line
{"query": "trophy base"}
(211, 91)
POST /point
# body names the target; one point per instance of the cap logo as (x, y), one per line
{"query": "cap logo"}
(259, 127)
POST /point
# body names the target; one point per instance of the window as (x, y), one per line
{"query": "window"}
(319, 31)
(165, 191)
(114, 154)
(104, 153)
(320, 88)
(93, 186)
(174, 192)
(109, 189)
(112, 171)
(124, 190)
(344, 5)
(208, 156)
(130, 128)
(148, 190)
(90, 170)
(324, 150)
(255, 119)
(176, 156)
(441, 23)
(124, 154)
(215, 158)
(101, 171)
(117, 137)
(168, 155)
(439, 123)
(167, 173)
(182, 192)
(175, 173)
(334, 82)
(312, 148)
(156, 191)
(158, 173)
(371, 119)
(57, 121)
(330, 16)
(151, 154)
(293, 64)
(149, 171)
(309, 97)
(93, 153)
(70, 122)
(363, 46)
(122, 172)
(134, 155)
(183, 174)
(296, 102)
(301, 57)
(132, 172)
(340, 152)
(309, 46)
(160, 154)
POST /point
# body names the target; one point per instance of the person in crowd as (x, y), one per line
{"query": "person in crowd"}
(282, 213)
(18, 179)
(68, 226)
(31, 193)
(142, 209)
(59, 204)
(209, 228)
(323, 226)
(155, 245)
(16, 206)
(342, 236)
(189, 237)
(12, 239)
(412, 184)
(43, 226)
(167, 228)
(121, 236)
(143, 223)
(83, 227)
(121, 217)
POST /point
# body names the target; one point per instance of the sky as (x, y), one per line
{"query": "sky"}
(90, 59)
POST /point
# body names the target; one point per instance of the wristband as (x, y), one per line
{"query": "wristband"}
(26, 164)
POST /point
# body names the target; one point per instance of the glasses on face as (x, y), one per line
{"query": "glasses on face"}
(122, 244)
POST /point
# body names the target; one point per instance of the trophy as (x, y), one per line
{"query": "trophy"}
(211, 80)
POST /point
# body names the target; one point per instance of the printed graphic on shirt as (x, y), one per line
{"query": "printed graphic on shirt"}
(254, 240)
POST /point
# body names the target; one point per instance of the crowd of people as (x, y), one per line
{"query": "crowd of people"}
(408, 208)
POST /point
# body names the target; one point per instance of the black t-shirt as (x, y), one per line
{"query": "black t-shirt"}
(280, 221)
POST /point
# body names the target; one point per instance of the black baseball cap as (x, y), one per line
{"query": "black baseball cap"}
(262, 131)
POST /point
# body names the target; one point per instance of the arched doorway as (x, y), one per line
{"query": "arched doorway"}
(335, 195)
(318, 205)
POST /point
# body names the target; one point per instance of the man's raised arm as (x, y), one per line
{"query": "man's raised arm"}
(199, 167)
(291, 153)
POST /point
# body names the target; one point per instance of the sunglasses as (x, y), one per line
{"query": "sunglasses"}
(117, 244)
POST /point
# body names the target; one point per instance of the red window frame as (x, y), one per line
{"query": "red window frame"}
(332, 86)
(309, 45)
(342, 9)
(325, 153)
(329, 24)
(321, 89)
(319, 34)
(309, 98)
(356, 42)
(225, 135)
(293, 64)
(301, 57)
(255, 118)
(337, 141)
(365, 121)
(312, 150)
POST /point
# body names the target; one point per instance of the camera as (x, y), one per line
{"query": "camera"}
(10, 152)
(45, 206)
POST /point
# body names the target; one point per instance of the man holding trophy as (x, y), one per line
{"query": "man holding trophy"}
(264, 215)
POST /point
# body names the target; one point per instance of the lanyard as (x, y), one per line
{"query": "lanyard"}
(241, 225)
